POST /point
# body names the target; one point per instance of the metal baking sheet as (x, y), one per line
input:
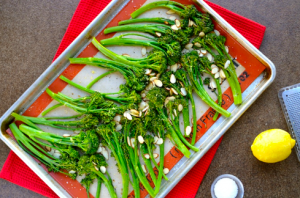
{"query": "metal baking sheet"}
(255, 71)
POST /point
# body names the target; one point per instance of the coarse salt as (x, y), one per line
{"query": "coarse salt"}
(226, 188)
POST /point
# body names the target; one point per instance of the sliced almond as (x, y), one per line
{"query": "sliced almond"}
(172, 18)
(132, 141)
(144, 169)
(118, 127)
(214, 70)
(105, 154)
(174, 91)
(217, 75)
(201, 55)
(103, 169)
(144, 51)
(140, 139)
(155, 155)
(203, 51)
(214, 66)
(72, 172)
(96, 168)
(142, 105)
(66, 135)
(201, 34)
(170, 12)
(191, 23)
(209, 57)
(152, 74)
(227, 63)
(183, 91)
(189, 46)
(158, 83)
(117, 118)
(172, 79)
(155, 139)
(128, 141)
(99, 150)
(158, 34)
(226, 49)
(180, 107)
(188, 130)
(174, 27)
(166, 171)
(145, 109)
(177, 23)
(197, 44)
(212, 84)
(222, 74)
(175, 112)
(134, 112)
(127, 55)
(48, 148)
(57, 155)
(217, 32)
(153, 78)
(148, 71)
(147, 156)
(159, 141)
(148, 88)
(143, 95)
(174, 67)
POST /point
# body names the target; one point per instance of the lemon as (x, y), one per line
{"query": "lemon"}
(272, 146)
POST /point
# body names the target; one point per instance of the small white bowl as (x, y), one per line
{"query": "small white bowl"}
(234, 178)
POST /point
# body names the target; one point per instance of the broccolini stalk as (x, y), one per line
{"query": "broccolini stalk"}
(155, 20)
(134, 159)
(95, 164)
(174, 117)
(87, 141)
(88, 180)
(52, 163)
(99, 78)
(182, 77)
(112, 140)
(144, 151)
(191, 64)
(155, 61)
(147, 28)
(87, 122)
(172, 50)
(156, 97)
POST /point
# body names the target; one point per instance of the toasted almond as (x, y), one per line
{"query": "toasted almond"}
(117, 118)
(153, 78)
(191, 23)
(166, 101)
(134, 112)
(144, 169)
(128, 141)
(201, 34)
(66, 135)
(159, 141)
(203, 51)
(177, 23)
(72, 172)
(155, 155)
(197, 44)
(144, 51)
(99, 150)
(214, 70)
(209, 56)
(217, 32)
(148, 87)
(128, 116)
(226, 49)
(175, 112)
(142, 105)
(158, 34)
(174, 67)
(172, 18)
(188, 130)
(174, 27)
(214, 66)
(180, 107)
(146, 155)
(170, 12)
(227, 63)
(96, 168)
(48, 148)
(217, 75)
(183, 91)
(103, 169)
(174, 91)
(152, 74)
(127, 55)
(166, 22)
(145, 109)
(189, 46)
(158, 83)
(222, 74)
(171, 98)
(166, 171)
(212, 84)
(148, 71)
(57, 155)
(201, 55)
(172, 79)
(132, 142)
(155, 139)
(118, 127)
(167, 88)
(105, 154)
(140, 139)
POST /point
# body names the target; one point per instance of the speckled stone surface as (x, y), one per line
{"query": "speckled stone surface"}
(30, 33)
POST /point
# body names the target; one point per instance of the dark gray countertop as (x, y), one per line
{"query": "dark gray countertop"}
(32, 30)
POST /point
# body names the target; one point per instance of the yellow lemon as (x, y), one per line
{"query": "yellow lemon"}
(272, 146)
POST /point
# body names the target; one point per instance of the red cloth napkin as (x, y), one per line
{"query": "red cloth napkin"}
(16, 171)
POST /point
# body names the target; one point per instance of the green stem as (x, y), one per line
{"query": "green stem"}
(156, 20)
(161, 168)
(154, 162)
(148, 163)
(186, 117)
(76, 85)
(194, 117)
(98, 78)
(147, 28)
(50, 109)
(107, 183)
